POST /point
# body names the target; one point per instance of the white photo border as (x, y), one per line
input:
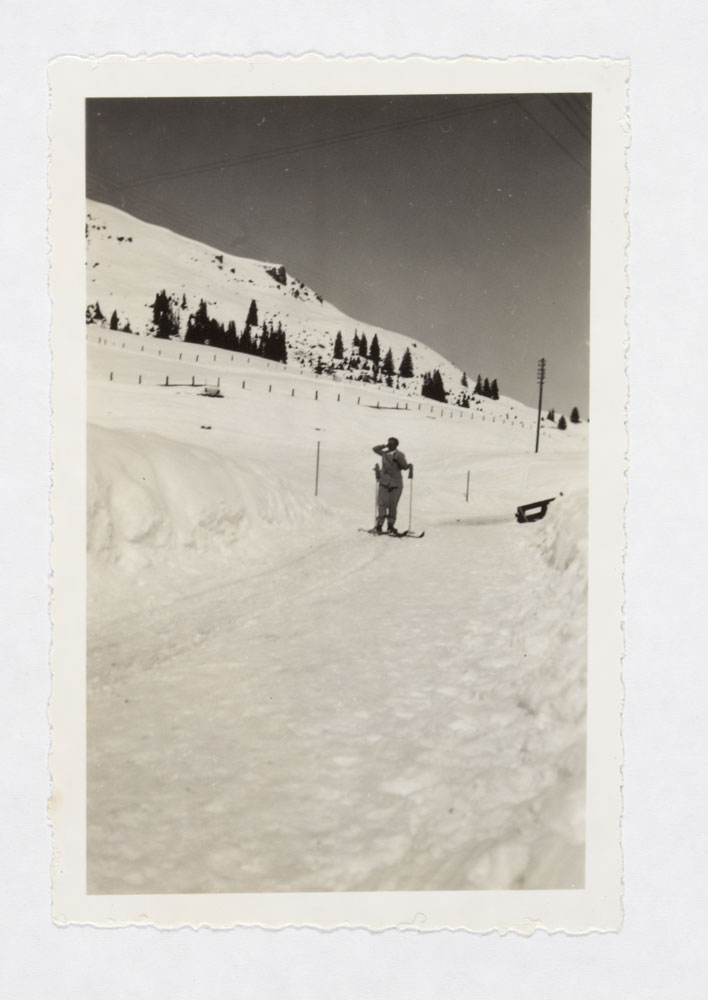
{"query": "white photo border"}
(72, 80)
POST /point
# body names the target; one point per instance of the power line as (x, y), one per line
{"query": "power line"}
(557, 104)
(553, 137)
(294, 148)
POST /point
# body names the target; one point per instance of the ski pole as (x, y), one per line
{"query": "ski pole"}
(410, 499)
(377, 473)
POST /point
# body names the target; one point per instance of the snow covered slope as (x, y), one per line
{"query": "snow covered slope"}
(277, 702)
(129, 261)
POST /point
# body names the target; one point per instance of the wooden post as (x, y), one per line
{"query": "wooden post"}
(167, 379)
(292, 392)
(110, 377)
(243, 384)
(192, 379)
(140, 380)
(197, 358)
(317, 396)
(218, 381)
(540, 378)
(180, 357)
(270, 388)
(467, 494)
(317, 469)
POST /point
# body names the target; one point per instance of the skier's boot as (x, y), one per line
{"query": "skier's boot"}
(378, 529)
(391, 530)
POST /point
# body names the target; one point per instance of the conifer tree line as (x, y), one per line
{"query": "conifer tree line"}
(265, 341)
(94, 314)
(366, 357)
(433, 386)
(562, 424)
(486, 388)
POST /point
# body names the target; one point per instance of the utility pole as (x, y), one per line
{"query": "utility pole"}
(540, 378)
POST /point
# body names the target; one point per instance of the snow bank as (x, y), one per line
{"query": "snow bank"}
(563, 542)
(154, 503)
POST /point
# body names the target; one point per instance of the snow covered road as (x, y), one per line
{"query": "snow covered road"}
(276, 702)
(399, 733)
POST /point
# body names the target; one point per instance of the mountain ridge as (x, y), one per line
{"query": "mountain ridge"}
(130, 261)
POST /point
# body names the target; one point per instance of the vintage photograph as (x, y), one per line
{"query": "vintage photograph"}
(337, 487)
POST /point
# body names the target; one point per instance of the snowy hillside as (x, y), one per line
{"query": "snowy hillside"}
(277, 702)
(129, 261)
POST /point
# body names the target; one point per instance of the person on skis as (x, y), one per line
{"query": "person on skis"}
(393, 462)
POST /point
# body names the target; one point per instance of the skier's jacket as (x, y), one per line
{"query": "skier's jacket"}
(391, 464)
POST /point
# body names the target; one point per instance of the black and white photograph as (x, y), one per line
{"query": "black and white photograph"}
(337, 519)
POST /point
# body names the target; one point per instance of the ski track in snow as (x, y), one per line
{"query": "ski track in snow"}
(339, 712)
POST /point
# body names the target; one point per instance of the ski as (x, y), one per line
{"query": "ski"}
(385, 534)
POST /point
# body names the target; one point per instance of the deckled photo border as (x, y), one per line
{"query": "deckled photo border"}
(72, 80)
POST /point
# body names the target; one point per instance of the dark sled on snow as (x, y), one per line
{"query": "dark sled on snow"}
(533, 511)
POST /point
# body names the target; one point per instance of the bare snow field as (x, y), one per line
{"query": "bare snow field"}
(277, 702)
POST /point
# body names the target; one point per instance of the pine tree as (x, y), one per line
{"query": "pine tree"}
(464, 379)
(387, 367)
(375, 351)
(246, 341)
(338, 346)
(406, 367)
(486, 390)
(438, 387)
(252, 318)
(113, 325)
(198, 325)
(363, 346)
(562, 424)
(281, 347)
(355, 343)
(231, 339)
(478, 390)
(494, 390)
(574, 416)
(552, 415)
(264, 347)
(163, 316)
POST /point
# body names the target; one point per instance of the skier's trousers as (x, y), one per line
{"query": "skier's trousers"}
(388, 498)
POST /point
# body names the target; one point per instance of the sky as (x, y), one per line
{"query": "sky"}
(462, 221)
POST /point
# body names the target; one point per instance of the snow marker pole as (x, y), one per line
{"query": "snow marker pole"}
(317, 468)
